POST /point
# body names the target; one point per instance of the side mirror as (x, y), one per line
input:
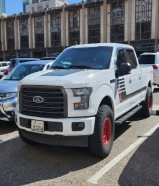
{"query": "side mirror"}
(48, 67)
(124, 69)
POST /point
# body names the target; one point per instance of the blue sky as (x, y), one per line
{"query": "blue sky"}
(15, 6)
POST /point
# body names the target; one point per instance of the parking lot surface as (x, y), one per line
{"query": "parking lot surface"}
(22, 164)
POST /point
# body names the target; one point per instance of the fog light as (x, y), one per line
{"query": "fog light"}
(78, 126)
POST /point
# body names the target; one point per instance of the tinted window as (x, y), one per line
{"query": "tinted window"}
(0, 64)
(121, 58)
(147, 59)
(13, 63)
(4, 64)
(23, 70)
(93, 57)
(131, 58)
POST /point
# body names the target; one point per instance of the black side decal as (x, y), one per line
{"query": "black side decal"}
(122, 91)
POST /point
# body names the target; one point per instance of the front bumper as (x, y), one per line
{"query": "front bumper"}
(7, 109)
(57, 131)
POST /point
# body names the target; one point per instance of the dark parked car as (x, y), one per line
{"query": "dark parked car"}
(16, 61)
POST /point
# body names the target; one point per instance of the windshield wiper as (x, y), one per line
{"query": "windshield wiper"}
(80, 67)
(58, 67)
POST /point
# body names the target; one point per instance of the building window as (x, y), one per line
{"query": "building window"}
(143, 19)
(35, 1)
(24, 40)
(74, 27)
(39, 31)
(94, 25)
(55, 30)
(10, 35)
(117, 14)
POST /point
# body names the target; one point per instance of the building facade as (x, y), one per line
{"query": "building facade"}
(2, 6)
(39, 34)
(40, 5)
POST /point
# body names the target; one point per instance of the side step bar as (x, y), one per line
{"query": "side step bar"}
(128, 115)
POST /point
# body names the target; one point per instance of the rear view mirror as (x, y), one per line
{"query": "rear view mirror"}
(124, 69)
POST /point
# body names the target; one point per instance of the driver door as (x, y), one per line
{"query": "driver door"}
(123, 85)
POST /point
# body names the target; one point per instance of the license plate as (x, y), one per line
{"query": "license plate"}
(37, 126)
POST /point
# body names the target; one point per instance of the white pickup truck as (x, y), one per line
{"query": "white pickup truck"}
(90, 89)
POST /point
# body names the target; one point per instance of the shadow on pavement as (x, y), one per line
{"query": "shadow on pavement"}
(143, 167)
(23, 164)
(7, 127)
(119, 130)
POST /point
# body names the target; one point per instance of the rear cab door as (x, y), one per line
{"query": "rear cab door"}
(134, 84)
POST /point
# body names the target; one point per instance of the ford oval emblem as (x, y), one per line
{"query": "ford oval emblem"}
(38, 99)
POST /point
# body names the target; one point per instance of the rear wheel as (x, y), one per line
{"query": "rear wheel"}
(147, 104)
(101, 142)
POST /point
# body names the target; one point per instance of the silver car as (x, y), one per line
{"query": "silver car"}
(9, 86)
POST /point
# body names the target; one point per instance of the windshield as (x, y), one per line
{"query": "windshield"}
(147, 59)
(86, 58)
(23, 70)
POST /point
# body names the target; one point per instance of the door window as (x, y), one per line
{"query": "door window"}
(121, 58)
(131, 58)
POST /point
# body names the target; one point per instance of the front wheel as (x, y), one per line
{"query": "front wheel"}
(147, 104)
(101, 142)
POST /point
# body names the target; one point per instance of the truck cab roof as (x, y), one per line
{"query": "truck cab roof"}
(102, 44)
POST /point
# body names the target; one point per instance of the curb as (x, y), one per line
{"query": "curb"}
(155, 112)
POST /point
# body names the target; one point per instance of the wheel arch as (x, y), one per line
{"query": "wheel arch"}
(107, 100)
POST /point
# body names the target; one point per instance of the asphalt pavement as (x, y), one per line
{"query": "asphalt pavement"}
(129, 163)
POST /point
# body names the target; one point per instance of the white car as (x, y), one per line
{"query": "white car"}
(4, 66)
(88, 90)
(151, 59)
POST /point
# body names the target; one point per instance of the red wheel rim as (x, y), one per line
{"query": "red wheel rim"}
(107, 130)
(150, 101)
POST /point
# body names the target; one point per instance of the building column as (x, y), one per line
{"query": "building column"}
(126, 23)
(49, 30)
(67, 29)
(101, 24)
(108, 23)
(133, 20)
(33, 33)
(86, 25)
(129, 5)
(18, 34)
(82, 24)
(155, 24)
(46, 30)
(5, 35)
(63, 28)
(104, 22)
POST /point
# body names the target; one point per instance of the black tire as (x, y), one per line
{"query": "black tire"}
(26, 140)
(147, 104)
(96, 142)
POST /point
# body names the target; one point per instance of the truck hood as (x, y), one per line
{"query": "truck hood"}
(8, 86)
(66, 78)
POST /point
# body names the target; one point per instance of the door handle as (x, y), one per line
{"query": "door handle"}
(130, 81)
(139, 77)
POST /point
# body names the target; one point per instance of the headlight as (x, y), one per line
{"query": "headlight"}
(4, 96)
(84, 93)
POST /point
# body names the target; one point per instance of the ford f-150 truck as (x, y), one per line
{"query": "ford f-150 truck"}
(89, 89)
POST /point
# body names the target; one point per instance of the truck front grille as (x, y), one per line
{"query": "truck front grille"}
(54, 103)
